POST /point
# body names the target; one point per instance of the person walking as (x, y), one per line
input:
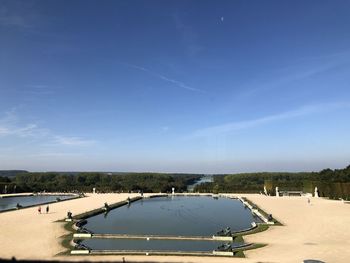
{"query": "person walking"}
(47, 209)
(39, 209)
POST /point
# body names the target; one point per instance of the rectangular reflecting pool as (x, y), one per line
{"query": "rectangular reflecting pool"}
(11, 202)
(153, 245)
(174, 216)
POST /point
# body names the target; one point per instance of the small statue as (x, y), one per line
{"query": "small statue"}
(277, 191)
(270, 218)
(69, 215)
(316, 192)
(265, 190)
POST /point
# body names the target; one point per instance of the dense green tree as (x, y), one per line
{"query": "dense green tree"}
(104, 182)
(331, 183)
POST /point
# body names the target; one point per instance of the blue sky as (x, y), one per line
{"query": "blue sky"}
(174, 86)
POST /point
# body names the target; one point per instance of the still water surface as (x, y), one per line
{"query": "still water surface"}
(202, 180)
(11, 202)
(174, 216)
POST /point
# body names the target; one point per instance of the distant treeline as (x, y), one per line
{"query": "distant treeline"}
(330, 183)
(11, 173)
(103, 182)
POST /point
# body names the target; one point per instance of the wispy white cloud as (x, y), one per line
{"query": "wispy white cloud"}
(28, 130)
(286, 79)
(188, 35)
(235, 126)
(55, 154)
(39, 89)
(300, 70)
(33, 90)
(165, 128)
(73, 141)
(11, 18)
(162, 77)
(10, 126)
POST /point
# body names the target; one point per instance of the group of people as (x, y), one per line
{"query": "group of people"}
(47, 209)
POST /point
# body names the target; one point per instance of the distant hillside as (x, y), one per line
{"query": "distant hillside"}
(11, 173)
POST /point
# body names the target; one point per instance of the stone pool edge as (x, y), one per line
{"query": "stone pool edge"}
(239, 251)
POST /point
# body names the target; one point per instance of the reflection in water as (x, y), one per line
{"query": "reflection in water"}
(105, 214)
(191, 216)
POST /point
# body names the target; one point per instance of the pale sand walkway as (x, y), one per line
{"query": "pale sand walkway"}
(317, 231)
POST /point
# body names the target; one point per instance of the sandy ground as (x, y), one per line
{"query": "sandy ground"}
(319, 230)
